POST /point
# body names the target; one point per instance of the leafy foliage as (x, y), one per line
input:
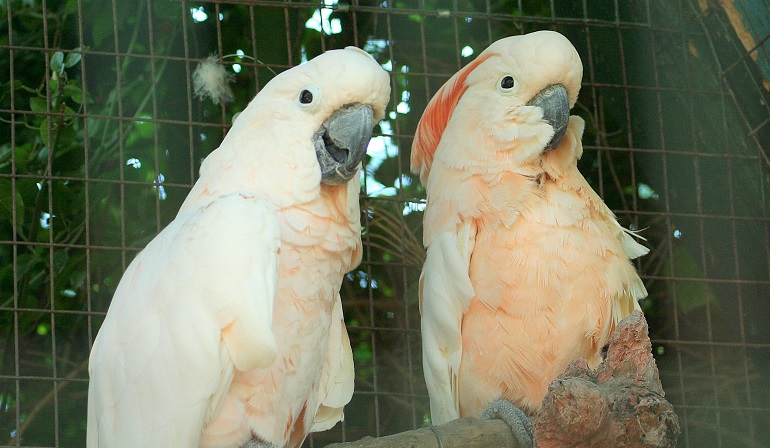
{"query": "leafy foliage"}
(104, 140)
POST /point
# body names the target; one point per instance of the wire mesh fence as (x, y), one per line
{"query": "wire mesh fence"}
(101, 137)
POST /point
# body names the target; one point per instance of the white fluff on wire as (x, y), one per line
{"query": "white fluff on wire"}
(211, 80)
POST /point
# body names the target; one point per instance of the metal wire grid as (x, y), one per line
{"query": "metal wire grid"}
(718, 406)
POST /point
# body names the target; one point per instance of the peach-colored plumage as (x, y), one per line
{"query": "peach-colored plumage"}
(228, 326)
(527, 269)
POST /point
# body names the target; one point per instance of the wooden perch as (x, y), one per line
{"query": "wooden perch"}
(460, 433)
(620, 404)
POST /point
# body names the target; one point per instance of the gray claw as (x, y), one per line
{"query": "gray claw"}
(515, 418)
(255, 443)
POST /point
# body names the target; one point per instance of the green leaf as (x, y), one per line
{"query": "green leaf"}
(57, 62)
(6, 202)
(101, 29)
(23, 153)
(362, 353)
(5, 155)
(64, 199)
(144, 129)
(75, 92)
(27, 262)
(43, 329)
(22, 156)
(37, 104)
(60, 258)
(72, 7)
(72, 59)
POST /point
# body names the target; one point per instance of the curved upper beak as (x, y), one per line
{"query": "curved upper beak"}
(341, 141)
(555, 104)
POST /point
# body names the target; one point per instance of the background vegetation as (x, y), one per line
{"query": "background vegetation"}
(101, 139)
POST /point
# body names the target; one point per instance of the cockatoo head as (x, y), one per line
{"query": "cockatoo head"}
(335, 99)
(338, 95)
(309, 126)
(514, 97)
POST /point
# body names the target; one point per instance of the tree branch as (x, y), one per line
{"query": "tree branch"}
(461, 433)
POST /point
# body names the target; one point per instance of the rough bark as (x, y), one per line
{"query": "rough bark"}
(461, 433)
(619, 404)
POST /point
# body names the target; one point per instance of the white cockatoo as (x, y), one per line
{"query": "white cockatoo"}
(227, 329)
(527, 269)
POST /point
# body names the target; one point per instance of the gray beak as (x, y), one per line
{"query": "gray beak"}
(555, 104)
(340, 143)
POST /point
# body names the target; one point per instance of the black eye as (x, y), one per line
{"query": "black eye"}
(305, 97)
(507, 82)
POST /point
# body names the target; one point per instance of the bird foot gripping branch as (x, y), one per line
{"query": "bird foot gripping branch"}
(515, 418)
(621, 403)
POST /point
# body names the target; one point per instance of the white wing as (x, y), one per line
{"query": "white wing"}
(193, 306)
(337, 379)
(445, 293)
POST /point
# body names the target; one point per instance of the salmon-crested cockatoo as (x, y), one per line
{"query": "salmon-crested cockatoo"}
(227, 329)
(527, 269)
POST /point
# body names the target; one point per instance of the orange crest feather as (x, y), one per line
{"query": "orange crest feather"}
(436, 116)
